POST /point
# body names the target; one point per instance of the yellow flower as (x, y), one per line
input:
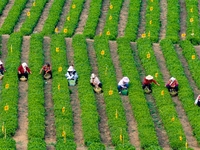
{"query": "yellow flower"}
(180, 138)
(6, 108)
(183, 35)
(58, 86)
(149, 34)
(73, 6)
(116, 114)
(156, 75)
(7, 86)
(63, 109)
(150, 22)
(108, 33)
(143, 35)
(162, 92)
(120, 137)
(151, 0)
(110, 92)
(65, 30)
(148, 55)
(59, 69)
(172, 119)
(57, 49)
(191, 10)
(110, 17)
(111, 6)
(3, 129)
(191, 19)
(63, 134)
(186, 145)
(56, 30)
(28, 13)
(34, 4)
(151, 8)
(193, 56)
(102, 52)
(68, 18)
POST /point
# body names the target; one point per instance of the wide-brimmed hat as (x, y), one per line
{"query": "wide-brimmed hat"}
(93, 75)
(71, 68)
(149, 77)
(126, 79)
(1, 62)
(172, 79)
(24, 64)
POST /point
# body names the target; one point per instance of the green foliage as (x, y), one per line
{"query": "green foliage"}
(75, 10)
(13, 16)
(53, 17)
(31, 21)
(68, 145)
(131, 30)
(89, 115)
(125, 147)
(96, 146)
(36, 144)
(7, 144)
(2, 5)
(93, 18)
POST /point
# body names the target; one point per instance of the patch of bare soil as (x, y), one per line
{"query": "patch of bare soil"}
(141, 28)
(43, 17)
(5, 12)
(83, 17)
(132, 124)
(179, 109)
(160, 131)
(21, 136)
(163, 18)
(183, 16)
(123, 18)
(103, 124)
(65, 11)
(197, 50)
(102, 18)
(75, 102)
(50, 131)
(23, 16)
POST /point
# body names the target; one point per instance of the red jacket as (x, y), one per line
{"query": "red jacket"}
(147, 82)
(172, 84)
(21, 69)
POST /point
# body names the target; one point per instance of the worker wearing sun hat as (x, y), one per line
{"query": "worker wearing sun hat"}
(23, 70)
(94, 81)
(123, 83)
(147, 82)
(172, 84)
(2, 69)
(71, 73)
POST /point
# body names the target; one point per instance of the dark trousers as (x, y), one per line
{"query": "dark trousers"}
(147, 85)
(23, 74)
(99, 85)
(169, 87)
(1, 71)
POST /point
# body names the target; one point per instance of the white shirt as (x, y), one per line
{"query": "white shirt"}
(121, 83)
(95, 81)
(197, 99)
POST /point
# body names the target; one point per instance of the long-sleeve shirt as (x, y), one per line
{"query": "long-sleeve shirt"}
(147, 82)
(95, 81)
(172, 83)
(22, 71)
(197, 101)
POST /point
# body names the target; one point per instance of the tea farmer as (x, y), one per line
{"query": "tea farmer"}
(71, 73)
(172, 84)
(2, 69)
(46, 69)
(197, 101)
(123, 84)
(23, 70)
(147, 82)
(94, 81)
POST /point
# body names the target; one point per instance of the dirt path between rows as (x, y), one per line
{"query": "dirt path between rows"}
(5, 12)
(192, 142)
(21, 136)
(160, 131)
(103, 124)
(163, 18)
(43, 17)
(50, 130)
(23, 16)
(131, 122)
(183, 17)
(75, 102)
(83, 17)
(63, 16)
(123, 18)
(102, 19)
(141, 28)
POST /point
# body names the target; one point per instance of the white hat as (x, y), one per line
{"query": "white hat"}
(24, 64)
(71, 68)
(126, 79)
(149, 77)
(172, 78)
(93, 75)
(1, 62)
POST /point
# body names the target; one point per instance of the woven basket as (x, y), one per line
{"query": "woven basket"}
(1, 76)
(97, 90)
(47, 76)
(173, 92)
(23, 78)
(72, 82)
(147, 90)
